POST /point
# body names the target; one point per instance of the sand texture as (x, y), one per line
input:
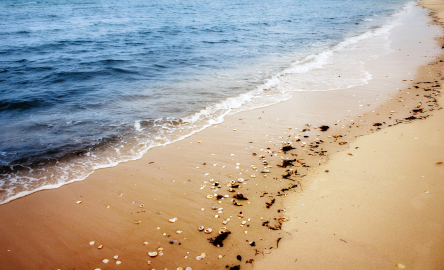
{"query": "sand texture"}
(305, 184)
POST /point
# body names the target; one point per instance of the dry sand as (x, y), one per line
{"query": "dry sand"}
(378, 206)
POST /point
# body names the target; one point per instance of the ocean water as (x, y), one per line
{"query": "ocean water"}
(87, 84)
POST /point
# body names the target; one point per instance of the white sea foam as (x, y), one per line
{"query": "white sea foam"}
(316, 72)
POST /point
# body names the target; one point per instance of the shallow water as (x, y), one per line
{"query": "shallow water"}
(86, 85)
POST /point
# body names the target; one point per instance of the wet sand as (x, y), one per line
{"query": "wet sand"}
(378, 205)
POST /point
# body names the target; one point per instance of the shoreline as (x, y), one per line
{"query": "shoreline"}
(376, 205)
(120, 209)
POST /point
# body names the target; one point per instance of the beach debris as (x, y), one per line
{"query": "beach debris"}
(118, 262)
(324, 128)
(153, 254)
(116, 257)
(400, 266)
(105, 261)
(209, 196)
(208, 230)
(220, 256)
(173, 242)
(142, 205)
(100, 247)
(218, 240)
(439, 163)
(78, 202)
(269, 204)
(287, 163)
(145, 243)
(188, 268)
(138, 222)
(201, 228)
(236, 267)
(287, 147)
(277, 241)
(172, 220)
(240, 196)
(92, 243)
(178, 231)
(239, 257)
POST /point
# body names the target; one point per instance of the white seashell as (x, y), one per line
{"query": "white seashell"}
(220, 256)
(201, 228)
(232, 182)
(78, 202)
(243, 222)
(153, 254)
(203, 255)
(92, 243)
(179, 268)
(188, 268)
(209, 230)
(105, 261)
(145, 243)
(178, 231)
(173, 220)
(252, 176)
(209, 196)
(118, 262)
(142, 205)
(225, 222)
(116, 257)
(240, 180)
(100, 247)
(198, 258)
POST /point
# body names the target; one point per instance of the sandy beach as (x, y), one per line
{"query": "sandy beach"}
(304, 184)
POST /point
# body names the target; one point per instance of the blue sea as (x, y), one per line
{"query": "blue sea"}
(87, 84)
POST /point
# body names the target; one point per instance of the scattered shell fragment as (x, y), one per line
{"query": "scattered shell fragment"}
(201, 228)
(138, 222)
(179, 268)
(172, 220)
(78, 202)
(105, 261)
(209, 230)
(252, 176)
(203, 255)
(198, 258)
(153, 254)
(118, 262)
(220, 256)
(116, 257)
(209, 196)
(178, 231)
(145, 243)
(92, 243)
(142, 205)
(100, 247)
(400, 266)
